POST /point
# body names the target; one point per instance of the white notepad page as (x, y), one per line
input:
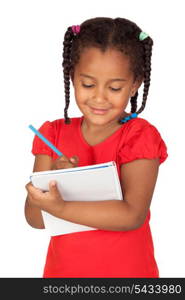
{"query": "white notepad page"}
(90, 183)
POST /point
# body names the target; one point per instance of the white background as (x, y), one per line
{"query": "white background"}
(32, 92)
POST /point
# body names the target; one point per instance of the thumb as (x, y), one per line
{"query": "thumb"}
(53, 186)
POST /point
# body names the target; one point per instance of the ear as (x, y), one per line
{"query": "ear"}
(136, 85)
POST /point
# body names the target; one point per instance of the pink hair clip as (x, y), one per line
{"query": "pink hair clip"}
(76, 29)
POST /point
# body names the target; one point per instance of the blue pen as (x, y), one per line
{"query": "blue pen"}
(45, 140)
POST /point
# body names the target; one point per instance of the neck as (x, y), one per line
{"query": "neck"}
(95, 129)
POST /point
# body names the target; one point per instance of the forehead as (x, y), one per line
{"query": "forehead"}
(111, 62)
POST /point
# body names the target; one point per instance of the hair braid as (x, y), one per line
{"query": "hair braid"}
(147, 70)
(133, 101)
(66, 69)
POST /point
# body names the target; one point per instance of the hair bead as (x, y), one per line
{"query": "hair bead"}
(143, 36)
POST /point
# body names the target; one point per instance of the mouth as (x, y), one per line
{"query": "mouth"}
(99, 111)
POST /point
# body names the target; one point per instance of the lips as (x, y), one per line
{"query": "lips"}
(99, 111)
(99, 108)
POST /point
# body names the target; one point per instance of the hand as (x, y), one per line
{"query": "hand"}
(51, 202)
(63, 162)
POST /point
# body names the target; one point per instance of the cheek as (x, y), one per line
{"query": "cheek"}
(120, 99)
(81, 95)
(78, 95)
(80, 100)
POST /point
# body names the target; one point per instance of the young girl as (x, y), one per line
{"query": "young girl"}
(107, 60)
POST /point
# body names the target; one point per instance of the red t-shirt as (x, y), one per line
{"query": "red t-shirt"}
(103, 253)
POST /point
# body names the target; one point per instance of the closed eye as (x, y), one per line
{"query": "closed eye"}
(89, 86)
(115, 90)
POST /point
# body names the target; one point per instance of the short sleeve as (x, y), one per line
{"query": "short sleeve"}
(38, 146)
(146, 143)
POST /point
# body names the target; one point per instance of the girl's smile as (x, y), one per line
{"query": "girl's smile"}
(98, 111)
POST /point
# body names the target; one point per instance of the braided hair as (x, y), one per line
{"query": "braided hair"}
(103, 33)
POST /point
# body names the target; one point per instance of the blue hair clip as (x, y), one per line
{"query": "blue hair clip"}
(126, 119)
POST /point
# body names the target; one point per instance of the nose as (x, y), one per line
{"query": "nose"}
(100, 96)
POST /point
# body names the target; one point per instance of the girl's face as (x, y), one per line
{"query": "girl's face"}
(103, 84)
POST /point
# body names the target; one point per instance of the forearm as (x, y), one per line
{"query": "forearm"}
(113, 215)
(33, 215)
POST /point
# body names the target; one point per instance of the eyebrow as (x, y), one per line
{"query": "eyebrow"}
(113, 79)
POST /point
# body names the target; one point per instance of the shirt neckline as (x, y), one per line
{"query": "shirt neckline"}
(99, 144)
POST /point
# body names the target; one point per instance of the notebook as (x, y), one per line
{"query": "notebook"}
(88, 183)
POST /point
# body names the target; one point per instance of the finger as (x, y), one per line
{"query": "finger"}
(53, 188)
(34, 191)
(28, 185)
(63, 158)
(64, 165)
(74, 159)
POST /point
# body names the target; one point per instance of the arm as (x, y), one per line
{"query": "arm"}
(32, 213)
(105, 215)
(138, 179)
